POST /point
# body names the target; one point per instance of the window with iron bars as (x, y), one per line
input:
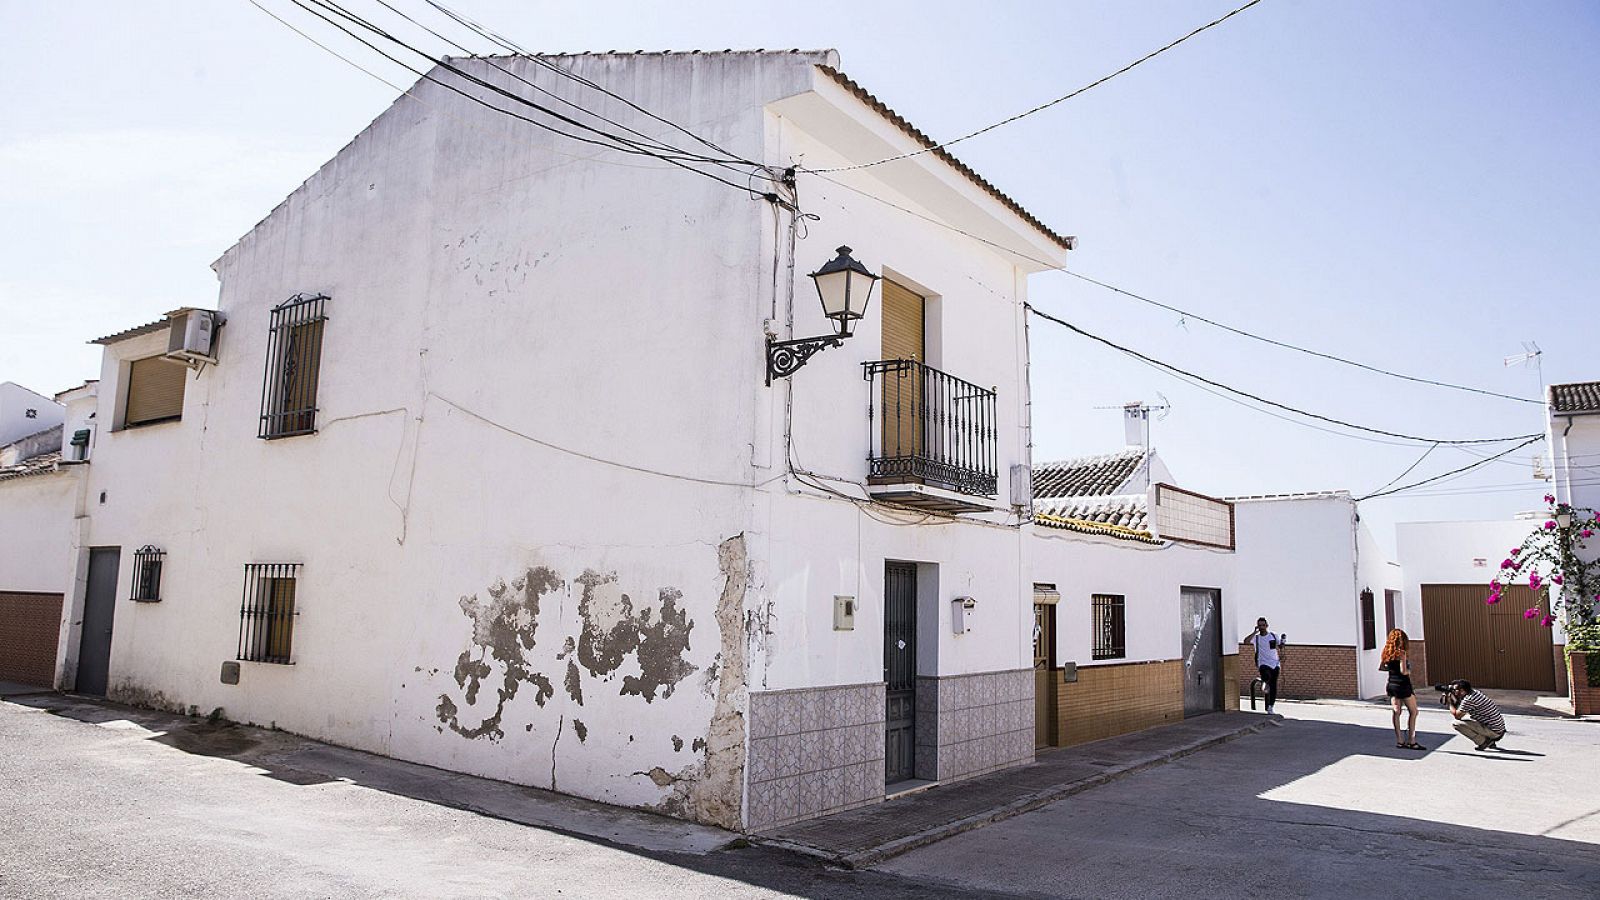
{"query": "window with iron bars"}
(267, 613)
(294, 362)
(1110, 627)
(147, 574)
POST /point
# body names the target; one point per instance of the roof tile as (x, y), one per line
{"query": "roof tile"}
(1582, 396)
(1086, 476)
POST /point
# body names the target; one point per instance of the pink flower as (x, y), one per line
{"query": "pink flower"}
(1550, 525)
(1587, 532)
(1532, 613)
(1534, 581)
(1492, 599)
(1549, 498)
(1556, 578)
(1516, 551)
(1547, 621)
(1506, 564)
(1494, 586)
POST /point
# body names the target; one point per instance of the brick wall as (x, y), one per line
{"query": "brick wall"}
(1230, 675)
(1585, 698)
(1419, 664)
(1560, 650)
(30, 625)
(1309, 671)
(1113, 699)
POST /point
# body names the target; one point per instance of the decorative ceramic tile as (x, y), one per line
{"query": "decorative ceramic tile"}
(789, 762)
(763, 753)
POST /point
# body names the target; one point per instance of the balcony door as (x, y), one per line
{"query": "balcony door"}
(905, 338)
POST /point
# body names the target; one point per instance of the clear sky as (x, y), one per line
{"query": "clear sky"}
(1414, 185)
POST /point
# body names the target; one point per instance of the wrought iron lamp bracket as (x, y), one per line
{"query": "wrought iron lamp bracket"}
(784, 358)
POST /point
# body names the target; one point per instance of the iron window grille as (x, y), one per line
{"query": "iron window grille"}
(267, 613)
(1369, 621)
(1110, 627)
(147, 574)
(294, 362)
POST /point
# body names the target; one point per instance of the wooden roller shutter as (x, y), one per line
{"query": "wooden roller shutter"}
(903, 338)
(903, 334)
(155, 391)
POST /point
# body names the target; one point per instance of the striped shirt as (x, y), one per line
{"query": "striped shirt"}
(1483, 711)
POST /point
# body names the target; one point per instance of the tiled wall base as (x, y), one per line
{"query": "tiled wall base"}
(1113, 699)
(968, 725)
(1230, 675)
(814, 751)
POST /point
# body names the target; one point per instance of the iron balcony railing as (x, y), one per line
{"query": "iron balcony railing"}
(928, 427)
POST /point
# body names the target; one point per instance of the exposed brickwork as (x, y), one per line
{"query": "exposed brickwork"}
(1310, 671)
(1560, 651)
(1108, 700)
(1419, 664)
(29, 627)
(1585, 698)
(1230, 675)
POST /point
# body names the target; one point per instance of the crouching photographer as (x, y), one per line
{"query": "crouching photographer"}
(1476, 715)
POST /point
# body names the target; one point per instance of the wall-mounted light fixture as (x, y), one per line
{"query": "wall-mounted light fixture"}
(844, 285)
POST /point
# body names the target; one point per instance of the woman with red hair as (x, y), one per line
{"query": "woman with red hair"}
(1397, 662)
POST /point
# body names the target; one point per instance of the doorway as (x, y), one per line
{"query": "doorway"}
(1202, 651)
(900, 671)
(1044, 672)
(1490, 646)
(99, 608)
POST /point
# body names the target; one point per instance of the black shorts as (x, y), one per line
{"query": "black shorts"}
(1399, 690)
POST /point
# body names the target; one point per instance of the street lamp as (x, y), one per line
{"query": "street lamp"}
(1564, 519)
(844, 286)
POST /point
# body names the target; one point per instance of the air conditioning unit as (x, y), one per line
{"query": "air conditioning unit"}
(192, 339)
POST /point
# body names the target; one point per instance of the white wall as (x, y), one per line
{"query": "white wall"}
(1449, 553)
(1297, 567)
(541, 369)
(1376, 573)
(15, 403)
(1149, 578)
(36, 531)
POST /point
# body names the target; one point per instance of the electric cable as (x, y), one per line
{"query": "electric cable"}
(1530, 438)
(507, 44)
(1044, 106)
(1425, 454)
(730, 162)
(542, 125)
(1466, 468)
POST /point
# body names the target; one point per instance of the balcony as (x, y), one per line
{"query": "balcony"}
(931, 438)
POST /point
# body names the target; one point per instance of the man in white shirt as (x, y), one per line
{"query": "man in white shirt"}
(1266, 644)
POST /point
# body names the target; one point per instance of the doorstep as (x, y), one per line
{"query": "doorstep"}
(871, 834)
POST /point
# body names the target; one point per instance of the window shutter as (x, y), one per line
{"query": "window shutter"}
(155, 391)
(903, 327)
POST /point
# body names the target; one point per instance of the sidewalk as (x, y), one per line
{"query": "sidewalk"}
(869, 835)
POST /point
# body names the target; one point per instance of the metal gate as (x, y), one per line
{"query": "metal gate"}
(1491, 646)
(1202, 651)
(99, 607)
(900, 671)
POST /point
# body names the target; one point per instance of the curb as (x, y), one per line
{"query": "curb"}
(865, 858)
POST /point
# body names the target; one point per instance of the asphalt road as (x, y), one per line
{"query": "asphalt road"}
(102, 801)
(1321, 806)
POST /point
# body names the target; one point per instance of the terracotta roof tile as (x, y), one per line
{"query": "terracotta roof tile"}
(1125, 511)
(916, 134)
(1086, 476)
(1582, 396)
(131, 332)
(43, 464)
(1100, 529)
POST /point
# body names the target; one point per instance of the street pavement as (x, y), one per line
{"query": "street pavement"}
(1323, 805)
(98, 800)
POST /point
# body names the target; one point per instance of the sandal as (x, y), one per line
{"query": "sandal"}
(1414, 746)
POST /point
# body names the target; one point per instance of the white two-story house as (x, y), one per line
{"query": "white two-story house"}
(486, 464)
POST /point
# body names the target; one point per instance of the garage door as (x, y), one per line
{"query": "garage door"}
(29, 627)
(1491, 646)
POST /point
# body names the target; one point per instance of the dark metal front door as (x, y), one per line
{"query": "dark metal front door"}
(99, 606)
(900, 670)
(1202, 651)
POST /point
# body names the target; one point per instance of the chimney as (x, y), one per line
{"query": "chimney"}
(1136, 424)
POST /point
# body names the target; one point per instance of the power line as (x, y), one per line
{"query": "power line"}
(1425, 453)
(1287, 346)
(1466, 468)
(729, 162)
(1044, 106)
(1530, 438)
(508, 44)
(626, 145)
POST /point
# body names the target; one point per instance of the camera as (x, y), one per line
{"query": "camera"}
(1447, 692)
